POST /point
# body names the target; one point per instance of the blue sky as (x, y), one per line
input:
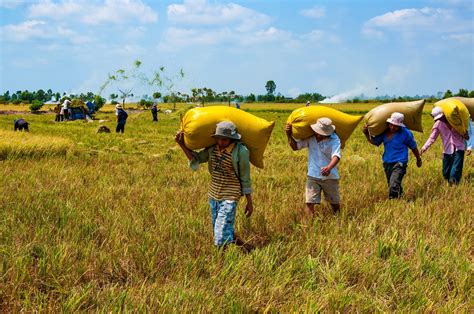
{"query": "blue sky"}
(337, 48)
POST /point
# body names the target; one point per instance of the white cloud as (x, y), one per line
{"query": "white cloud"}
(48, 9)
(24, 31)
(36, 29)
(315, 12)
(188, 37)
(200, 12)
(467, 38)
(119, 11)
(319, 36)
(411, 22)
(111, 11)
(11, 4)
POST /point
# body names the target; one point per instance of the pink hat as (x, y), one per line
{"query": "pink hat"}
(396, 119)
(437, 113)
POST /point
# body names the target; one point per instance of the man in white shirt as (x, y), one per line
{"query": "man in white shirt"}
(324, 153)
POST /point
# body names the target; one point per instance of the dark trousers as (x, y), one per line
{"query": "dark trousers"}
(120, 128)
(395, 171)
(58, 118)
(452, 166)
(155, 116)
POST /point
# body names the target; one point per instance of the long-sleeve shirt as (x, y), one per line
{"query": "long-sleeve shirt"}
(470, 132)
(452, 140)
(240, 163)
(396, 149)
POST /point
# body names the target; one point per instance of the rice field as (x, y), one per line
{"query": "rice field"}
(110, 222)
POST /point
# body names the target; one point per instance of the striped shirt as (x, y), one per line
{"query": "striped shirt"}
(224, 185)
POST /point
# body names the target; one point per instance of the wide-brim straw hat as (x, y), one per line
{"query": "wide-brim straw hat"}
(397, 119)
(437, 113)
(227, 129)
(323, 126)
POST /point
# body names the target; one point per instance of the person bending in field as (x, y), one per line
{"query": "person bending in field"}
(453, 146)
(324, 153)
(396, 140)
(229, 166)
(20, 125)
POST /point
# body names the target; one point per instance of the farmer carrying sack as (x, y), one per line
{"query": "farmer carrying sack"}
(199, 124)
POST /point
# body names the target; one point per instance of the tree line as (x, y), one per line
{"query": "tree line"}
(205, 95)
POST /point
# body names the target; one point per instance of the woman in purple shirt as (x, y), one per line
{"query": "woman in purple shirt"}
(453, 146)
(396, 141)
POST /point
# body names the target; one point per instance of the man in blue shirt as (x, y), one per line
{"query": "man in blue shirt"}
(324, 153)
(396, 140)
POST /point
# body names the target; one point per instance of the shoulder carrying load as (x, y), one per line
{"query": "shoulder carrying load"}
(456, 113)
(302, 118)
(376, 119)
(469, 103)
(199, 124)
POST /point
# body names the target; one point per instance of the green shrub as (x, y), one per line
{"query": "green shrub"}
(36, 105)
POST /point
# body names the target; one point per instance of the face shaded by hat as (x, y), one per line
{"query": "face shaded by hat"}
(397, 119)
(226, 129)
(437, 113)
(323, 127)
(119, 106)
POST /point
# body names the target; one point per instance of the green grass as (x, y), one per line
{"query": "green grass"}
(121, 223)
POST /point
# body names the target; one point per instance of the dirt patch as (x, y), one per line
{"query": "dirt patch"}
(23, 112)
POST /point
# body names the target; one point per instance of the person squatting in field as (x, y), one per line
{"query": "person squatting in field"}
(396, 140)
(324, 153)
(122, 116)
(454, 146)
(20, 125)
(229, 167)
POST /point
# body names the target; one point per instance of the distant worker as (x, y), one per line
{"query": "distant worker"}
(396, 140)
(57, 111)
(324, 153)
(307, 103)
(237, 105)
(154, 112)
(453, 146)
(122, 116)
(64, 113)
(20, 125)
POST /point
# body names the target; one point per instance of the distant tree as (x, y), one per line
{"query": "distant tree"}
(228, 96)
(471, 94)
(156, 95)
(448, 94)
(41, 95)
(270, 87)
(113, 97)
(57, 96)
(463, 93)
(99, 102)
(250, 98)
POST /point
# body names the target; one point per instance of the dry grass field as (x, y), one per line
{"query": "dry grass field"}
(120, 223)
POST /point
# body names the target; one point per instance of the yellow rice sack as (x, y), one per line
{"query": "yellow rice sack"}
(376, 119)
(199, 124)
(302, 118)
(469, 103)
(456, 113)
